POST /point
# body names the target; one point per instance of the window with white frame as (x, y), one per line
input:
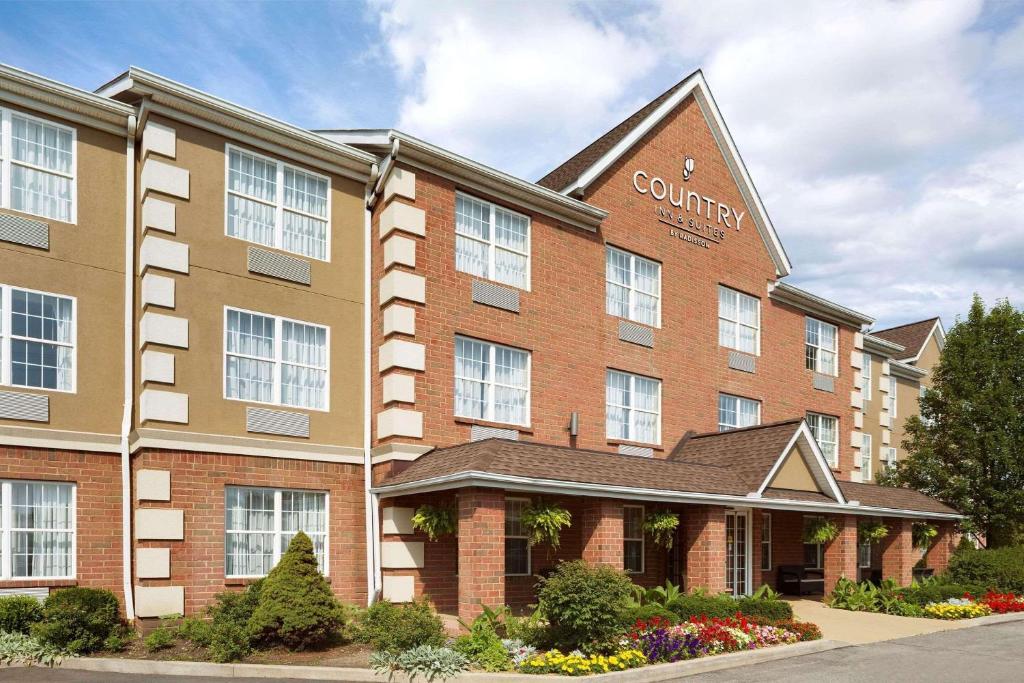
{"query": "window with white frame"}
(517, 540)
(825, 429)
(38, 339)
(821, 344)
(864, 554)
(735, 412)
(268, 359)
(37, 167)
(632, 287)
(37, 525)
(865, 378)
(814, 553)
(888, 457)
(492, 242)
(633, 539)
(259, 523)
(277, 205)
(492, 382)
(766, 541)
(865, 457)
(893, 387)
(739, 321)
(632, 407)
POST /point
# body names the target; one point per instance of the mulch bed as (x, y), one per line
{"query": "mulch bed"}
(355, 655)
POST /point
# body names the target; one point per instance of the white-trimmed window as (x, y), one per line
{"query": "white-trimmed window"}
(268, 359)
(632, 407)
(864, 555)
(492, 382)
(865, 378)
(739, 321)
(492, 242)
(37, 167)
(814, 553)
(821, 345)
(825, 429)
(893, 393)
(766, 541)
(277, 205)
(865, 457)
(259, 523)
(633, 539)
(888, 457)
(37, 526)
(517, 541)
(38, 339)
(632, 287)
(735, 412)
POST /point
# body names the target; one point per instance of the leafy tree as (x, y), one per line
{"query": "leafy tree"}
(967, 446)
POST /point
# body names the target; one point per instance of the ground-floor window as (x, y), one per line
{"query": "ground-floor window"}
(259, 523)
(864, 555)
(814, 553)
(38, 530)
(766, 541)
(633, 538)
(517, 542)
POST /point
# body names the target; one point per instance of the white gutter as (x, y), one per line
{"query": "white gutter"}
(129, 370)
(386, 167)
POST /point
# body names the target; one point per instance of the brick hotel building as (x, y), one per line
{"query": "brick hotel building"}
(217, 329)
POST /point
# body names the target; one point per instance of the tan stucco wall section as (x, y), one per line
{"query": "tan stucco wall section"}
(794, 474)
(85, 260)
(929, 358)
(907, 394)
(871, 410)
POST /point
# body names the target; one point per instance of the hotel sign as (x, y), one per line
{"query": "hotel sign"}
(691, 216)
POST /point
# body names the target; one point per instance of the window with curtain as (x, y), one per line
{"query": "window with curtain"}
(821, 347)
(37, 167)
(38, 530)
(865, 457)
(632, 287)
(259, 523)
(739, 321)
(277, 205)
(492, 382)
(766, 541)
(269, 359)
(893, 393)
(632, 407)
(517, 544)
(735, 412)
(37, 339)
(865, 378)
(633, 539)
(825, 429)
(492, 242)
(888, 456)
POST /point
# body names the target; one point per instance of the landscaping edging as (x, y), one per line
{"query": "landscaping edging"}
(993, 619)
(645, 674)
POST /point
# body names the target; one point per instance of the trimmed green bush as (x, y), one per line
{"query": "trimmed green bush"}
(759, 608)
(78, 620)
(229, 638)
(583, 603)
(395, 628)
(1001, 569)
(159, 639)
(922, 594)
(647, 612)
(229, 642)
(705, 605)
(19, 612)
(296, 606)
(196, 631)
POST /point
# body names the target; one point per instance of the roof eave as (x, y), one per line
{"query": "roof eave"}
(906, 370)
(812, 303)
(37, 92)
(882, 346)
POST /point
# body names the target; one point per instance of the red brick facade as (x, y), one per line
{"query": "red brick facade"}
(898, 554)
(481, 550)
(841, 552)
(602, 532)
(942, 547)
(704, 529)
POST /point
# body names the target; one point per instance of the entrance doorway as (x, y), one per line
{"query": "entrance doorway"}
(737, 552)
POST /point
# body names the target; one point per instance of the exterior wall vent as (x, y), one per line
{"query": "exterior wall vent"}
(264, 421)
(490, 294)
(24, 231)
(479, 433)
(278, 265)
(639, 451)
(29, 407)
(636, 334)
(741, 361)
(824, 383)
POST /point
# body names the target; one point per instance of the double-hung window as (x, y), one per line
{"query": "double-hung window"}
(865, 457)
(37, 167)
(814, 553)
(492, 242)
(735, 412)
(825, 429)
(492, 382)
(821, 347)
(864, 554)
(865, 378)
(893, 392)
(632, 287)
(766, 541)
(739, 321)
(259, 523)
(268, 359)
(37, 526)
(888, 457)
(517, 541)
(632, 407)
(38, 339)
(633, 539)
(277, 205)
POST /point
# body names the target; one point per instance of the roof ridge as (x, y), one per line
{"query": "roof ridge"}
(777, 423)
(899, 327)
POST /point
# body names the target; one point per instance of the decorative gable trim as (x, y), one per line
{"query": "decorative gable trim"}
(823, 475)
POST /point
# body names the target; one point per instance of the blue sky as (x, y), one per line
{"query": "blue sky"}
(887, 139)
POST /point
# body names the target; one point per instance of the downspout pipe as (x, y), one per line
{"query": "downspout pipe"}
(129, 369)
(371, 535)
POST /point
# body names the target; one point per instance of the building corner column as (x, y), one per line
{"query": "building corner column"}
(602, 532)
(704, 528)
(898, 556)
(481, 544)
(841, 553)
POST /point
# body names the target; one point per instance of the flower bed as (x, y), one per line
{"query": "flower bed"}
(957, 608)
(660, 641)
(1003, 603)
(578, 664)
(931, 598)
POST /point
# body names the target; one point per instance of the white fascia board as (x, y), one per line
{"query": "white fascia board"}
(902, 369)
(940, 339)
(816, 305)
(57, 98)
(882, 346)
(804, 431)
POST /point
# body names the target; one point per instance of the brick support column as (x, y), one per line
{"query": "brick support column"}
(942, 547)
(755, 550)
(898, 554)
(841, 552)
(481, 551)
(704, 529)
(601, 532)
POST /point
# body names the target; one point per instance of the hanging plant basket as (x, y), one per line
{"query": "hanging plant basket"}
(923, 533)
(544, 522)
(819, 530)
(661, 526)
(434, 521)
(871, 532)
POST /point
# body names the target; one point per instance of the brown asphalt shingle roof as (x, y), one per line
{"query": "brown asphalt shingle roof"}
(873, 495)
(749, 453)
(585, 158)
(911, 336)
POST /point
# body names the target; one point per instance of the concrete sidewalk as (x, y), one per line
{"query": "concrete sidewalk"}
(867, 627)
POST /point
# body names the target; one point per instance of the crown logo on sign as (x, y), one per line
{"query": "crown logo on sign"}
(688, 164)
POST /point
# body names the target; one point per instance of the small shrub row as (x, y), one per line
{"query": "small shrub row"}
(1001, 570)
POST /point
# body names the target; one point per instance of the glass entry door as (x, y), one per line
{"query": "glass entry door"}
(737, 552)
